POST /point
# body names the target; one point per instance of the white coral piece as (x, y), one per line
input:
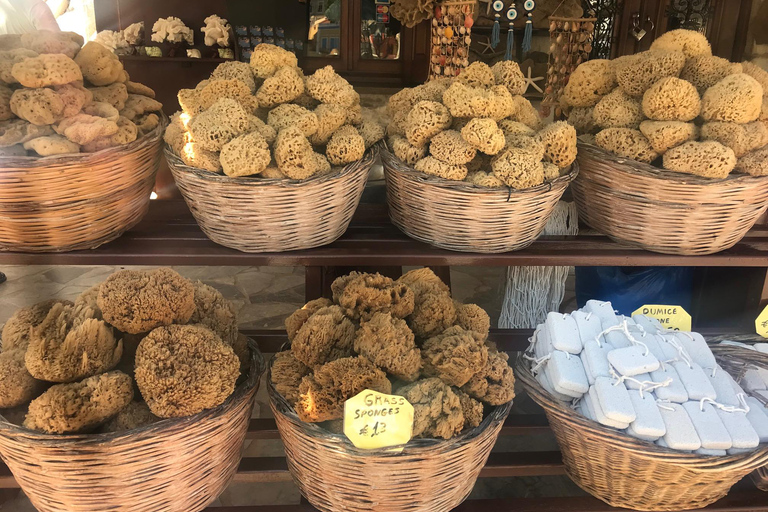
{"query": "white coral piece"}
(173, 30)
(133, 33)
(111, 39)
(216, 31)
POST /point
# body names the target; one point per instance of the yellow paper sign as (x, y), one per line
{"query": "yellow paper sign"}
(671, 317)
(375, 420)
(761, 323)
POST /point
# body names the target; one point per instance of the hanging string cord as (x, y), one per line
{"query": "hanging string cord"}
(509, 55)
(528, 37)
(496, 33)
(538, 362)
(665, 404)
(727, 408)
(680, 350)
(632, 339)
(644, 385)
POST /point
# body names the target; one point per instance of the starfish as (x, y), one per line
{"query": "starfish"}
(531, 81)
(487, 48)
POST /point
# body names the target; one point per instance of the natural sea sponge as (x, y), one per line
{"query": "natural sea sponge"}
(582, 118)
(101, 109)
(83, 128)
(735, 98)
(454, 356)
(48, 41)
(322, 394)
(5, 103)
(472, 317)
(514, 128)
(139, 301)
(234, 70)
(346, 146)
(127, 132)
(437, 409)
(284, 86)
(371, 130)
(757, 73)
(559, 141)
(99, 65)
(664, 135)
(494, 384)
(17, 386)
(80, 406)
(704, 71)
(484, 135)
(46, 70)
(287, 373)
(435, 167)
(294, 154)
(508, 74)
(195, 156)
(214, 90)
(294, 322)
(423, 281)
(754, 163)
(390, 345)
(471, 408)
(484, 179)
(135, 415)
(18, 131)
(326, 336)
(477, 74)
(406, 151)
(52, 145)
(526, 113)
(145, 123)
(637, 75)
(330, 117)
(245, 155)
(184, 369)
(267, 59)
(626, 143)
(17, 329)
(137, 105)
(449, 147)
(287, 115)
(589, 82)
(140, 89)
(214, 312)
(708, 159)
(115, 94)
(741, 138)
(519, 164)
(74, 96)
(327, 87)
(432, 314)
(189, 101)
(38, 106)
(218, 125)
(618, 110)
(363, 295)
(425, 120)
(671, 99)
(690, 42)
(467, 101)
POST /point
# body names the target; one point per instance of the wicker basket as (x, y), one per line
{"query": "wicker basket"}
(625, 472)
(264, 215)
(459, 216)
(428, 476)
(69, 203)
(176, 465)
(665, 212)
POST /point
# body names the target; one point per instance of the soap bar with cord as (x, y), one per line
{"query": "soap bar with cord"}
(674, 391)
(723, 384)
(633, 360)
(588, 324)
(650, 324)
(758, 417)
(566, 373)
(563, 333)
(681, 434)
(742, 433)
(600, 416)
(542, 345)
(604, 311)
(648, 422)
(595, 359)
(709, 426)
(635, 382)
(542, 378)
(696, 347)
(695, 381)
(614, 400)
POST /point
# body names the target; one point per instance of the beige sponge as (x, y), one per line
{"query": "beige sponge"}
(484, 135)
(589, 82)
(704, 71)
(346, 146)
(559, 141)
(449, 147)
(626, 143)
(741, 138)
(708, 159)
(406, 151)
(219, 124)
(637, 75)
(754, 163)
(664, 135)
(690, 42)
(245, 155)
(425, 120)
(618, 110)
(508, 74)
(433, 166)
(736, 98)
(671, 99)
(294, 155)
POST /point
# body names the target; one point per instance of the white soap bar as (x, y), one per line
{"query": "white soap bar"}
(671, 353)
(596, 358)
(650, 324)
(586, 409)
(648, 422)
(634, 433)
(566, 373)
(723, 384)
(695, 381)
(635, 382)
(713, 453)
(752, 380)
(681, 434)
(709, 426)
(588, 324)
(614, 400)
(740, 429)
(633, 360)
(675, 391)
(618, 339)
(563, 333)
(542, 347)
(758, 417)
(696, 346)
(604, 311)
(600, 416)
(761, 347)
(761, 392)
(542, 378)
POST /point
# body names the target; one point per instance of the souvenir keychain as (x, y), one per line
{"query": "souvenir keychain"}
(511, 17)
(498, 6)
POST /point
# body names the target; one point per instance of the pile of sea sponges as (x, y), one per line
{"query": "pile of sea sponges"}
(269, 120)
(407, 337)
(75, 367)
(675, 104)
(478, 128)
(58, 98)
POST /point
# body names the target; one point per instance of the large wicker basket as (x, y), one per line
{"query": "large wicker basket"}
(69, 203)
(459, 216)
(625, 472)
(665, 212)
(428, 476)
(264, 215)
(175, 465)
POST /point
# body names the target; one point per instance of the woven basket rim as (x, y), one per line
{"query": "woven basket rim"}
(158, 428)
(628, 165)
(86, 158)
(254, 181)
(413, 447)
(622, 441)
(394, 164)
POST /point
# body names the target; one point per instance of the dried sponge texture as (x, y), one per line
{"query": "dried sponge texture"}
(327, 87)
(346, 146)
(559, 141)
(327, 335)
(477, 74)
(137, 88)
(17, 329)
(754, 163)
(514, 128)
(235, 70)
(115, 94)
(757, 73)
(74, 96)
(664, 135)
(17, 386)
(287, 373)
(735, 98)
(626, 143)
(466, 101)
(526, 113)
(245, 155)
(99, 65)
(38, 106)
(589, 82)
(484, 179)
(330, 117)
(690, 42)
(454, 356)
(741, 138)
(195, 156)
(472, 317)
(189, 101)
(494, 384)
(637, 75)
(294, 321)
(294, 155)
(135, 415)
(437, 409)
(322, 394)
(18, 131)
(671, 99)
(484, 135)
(508, 74)
(46, 70)
(102, 109)
(471, 408)
(704, 71)
(433, 166)
(551, 171)
(5, 103)
(83, 128)
(284, 86)
(288, 114)
(267, 59)
(519, 166)
(451, 148)
(708, 159)
(214, 312)
(390, 345)
(618, 110)
(432, 314)
(425, 120)
(184, 369)
(266, 131)
(371, 130)
(363, 295)
(139, 301)
(48, 41)
(423, 280)
(80, 406)
(127, 132)
(214, 90)
(218, 125)
(583, 119)
(137, 105)
(406, 151)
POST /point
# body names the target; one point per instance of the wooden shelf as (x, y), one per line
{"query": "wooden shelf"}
(144, 58)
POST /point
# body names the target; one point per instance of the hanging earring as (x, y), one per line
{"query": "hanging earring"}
(529, 6)
(498, 6)
(511, 17)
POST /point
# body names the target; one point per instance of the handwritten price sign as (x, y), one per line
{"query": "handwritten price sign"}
(671, 317)
(375, 420)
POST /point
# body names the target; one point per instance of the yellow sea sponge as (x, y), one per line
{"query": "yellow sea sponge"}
(757, 73)
(639, 74)
(214, 90)
(284, 86)
(330, 117)
(99, 65)
(690, 42)
(466, 101)
(741, 138)
(754, 163)
(736, 98)
(266, 59)
(195, 156)
(235, 70)
(218, 125)
(484, 135)
(288, 114)
(137, 105)
(664, 135)
(582, 118)
(477, 74)
(484, 179)
(83, 128)
(627, 143)
(346, 146)
(115, 94)
(328, 87)
(514, 128)
(18, 131)
(245, 155)
(708, 159)
(704, 71)
(589, 82)
(508, 74)
(406, 151)
(371, 130)
(671, 99)
(38, 106)
(559, 141)
(449, 147)
(526, 113)
(294, 155)
(425, 120)
(46, 70)
(519, 164)
(433, 166)
(618, 110)
(52, 145)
